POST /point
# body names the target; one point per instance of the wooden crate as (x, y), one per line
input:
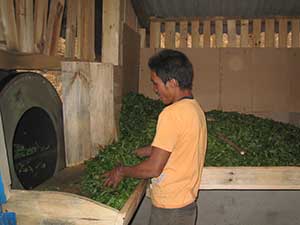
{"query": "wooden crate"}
(50, 207)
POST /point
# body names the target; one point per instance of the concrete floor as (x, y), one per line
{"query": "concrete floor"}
(239, 208)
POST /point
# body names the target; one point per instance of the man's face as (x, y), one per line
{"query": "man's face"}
(164, 91)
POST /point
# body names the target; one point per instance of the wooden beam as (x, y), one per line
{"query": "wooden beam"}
(244, 33)
(270, 33)
(9, 23)
(273, 178)
(111, 32)
(154, 34)
(295, 33)
(195, 34)
(170, 34)
(256, 33)
(142, 32)
(72, 9)
(206, 33)
(24, 19)
(231, 30)
(40, 24)
(219, 33)
(9, 60)
(183, 34)
(283, 33)
(54, 26)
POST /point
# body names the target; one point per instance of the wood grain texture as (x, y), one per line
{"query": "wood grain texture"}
(183, 34)
(244, 33)
(295, 33)
(195, 34)
(72, 10)
(40, 25)
(154, 34)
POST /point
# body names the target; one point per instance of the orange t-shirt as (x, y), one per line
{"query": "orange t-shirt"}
(181, 130)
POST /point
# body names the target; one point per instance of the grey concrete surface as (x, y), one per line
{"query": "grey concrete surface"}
(239, 208)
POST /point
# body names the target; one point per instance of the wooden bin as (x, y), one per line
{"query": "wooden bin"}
(50, 207)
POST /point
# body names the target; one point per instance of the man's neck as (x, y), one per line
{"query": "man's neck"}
(180, 94)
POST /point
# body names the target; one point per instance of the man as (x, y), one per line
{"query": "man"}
(176, 155)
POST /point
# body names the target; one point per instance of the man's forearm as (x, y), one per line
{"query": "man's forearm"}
(143, 170)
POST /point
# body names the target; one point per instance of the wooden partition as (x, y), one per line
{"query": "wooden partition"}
(220, 32)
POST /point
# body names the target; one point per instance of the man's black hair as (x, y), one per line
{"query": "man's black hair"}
(170, 64)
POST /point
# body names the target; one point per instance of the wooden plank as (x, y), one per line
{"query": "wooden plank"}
(24, 20)
(283, 33)
(40, 24)
(155, 34)
(54, 26)
(2, 33)
(72, 9)
(142, 32)
(206, 33)
(231, 29)
(101, 107)
(111, 32)
(11, 60)
(4, 168)
(244, 33)
(183, 34)
(255, 42)
(9, 24)
(270, 33)
(219, 33)
(273, 178)
(170, 34)
(295, 33)
(195, 34)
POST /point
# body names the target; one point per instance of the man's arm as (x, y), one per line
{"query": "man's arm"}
(151, 167)
(144, 151)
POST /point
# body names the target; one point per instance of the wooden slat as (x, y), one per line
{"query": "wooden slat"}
(183, 34)
(283, 33)
(256, 33)
(40, 24)
(9, 24)
(219, 33)
(244, 33)
(272, 178)
(170, 34)
(195, 34)
(270, 33)
(154, 34)
(24, 20)
(142, 32)
(206, 33)
(72, 9)
(54, 26)
(2, 34)
(231, 29)
(295, 33)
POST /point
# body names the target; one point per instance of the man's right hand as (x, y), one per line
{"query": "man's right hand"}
(144, 151)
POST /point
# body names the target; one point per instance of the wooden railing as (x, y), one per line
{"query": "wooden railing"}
(277, 32)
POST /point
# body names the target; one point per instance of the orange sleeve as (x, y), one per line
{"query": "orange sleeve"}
(166, 132)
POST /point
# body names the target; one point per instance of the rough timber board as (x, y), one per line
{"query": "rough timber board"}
(46, 207)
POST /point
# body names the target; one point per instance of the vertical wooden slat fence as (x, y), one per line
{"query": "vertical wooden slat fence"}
(281, 32)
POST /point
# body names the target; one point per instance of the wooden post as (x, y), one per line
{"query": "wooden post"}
(142, 32)
(282, 33)
(244, 33)
(154, 34)
(270, 30)
(206, 34)
(111, 31)
(170, 34)
(231, 29)
(195, 34)
(53, 26)
(256, 33)
(89, 119)
(40, 25)
(72, 9)
(219, 33)
(9, 24)
(183, 34)
(295, 33)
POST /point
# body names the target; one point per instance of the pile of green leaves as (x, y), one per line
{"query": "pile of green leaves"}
(265, 143)
(137, 128)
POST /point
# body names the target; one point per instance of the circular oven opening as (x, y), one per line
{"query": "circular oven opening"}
(34, 148)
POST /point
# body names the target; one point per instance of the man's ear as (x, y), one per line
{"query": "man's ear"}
(173, 83)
